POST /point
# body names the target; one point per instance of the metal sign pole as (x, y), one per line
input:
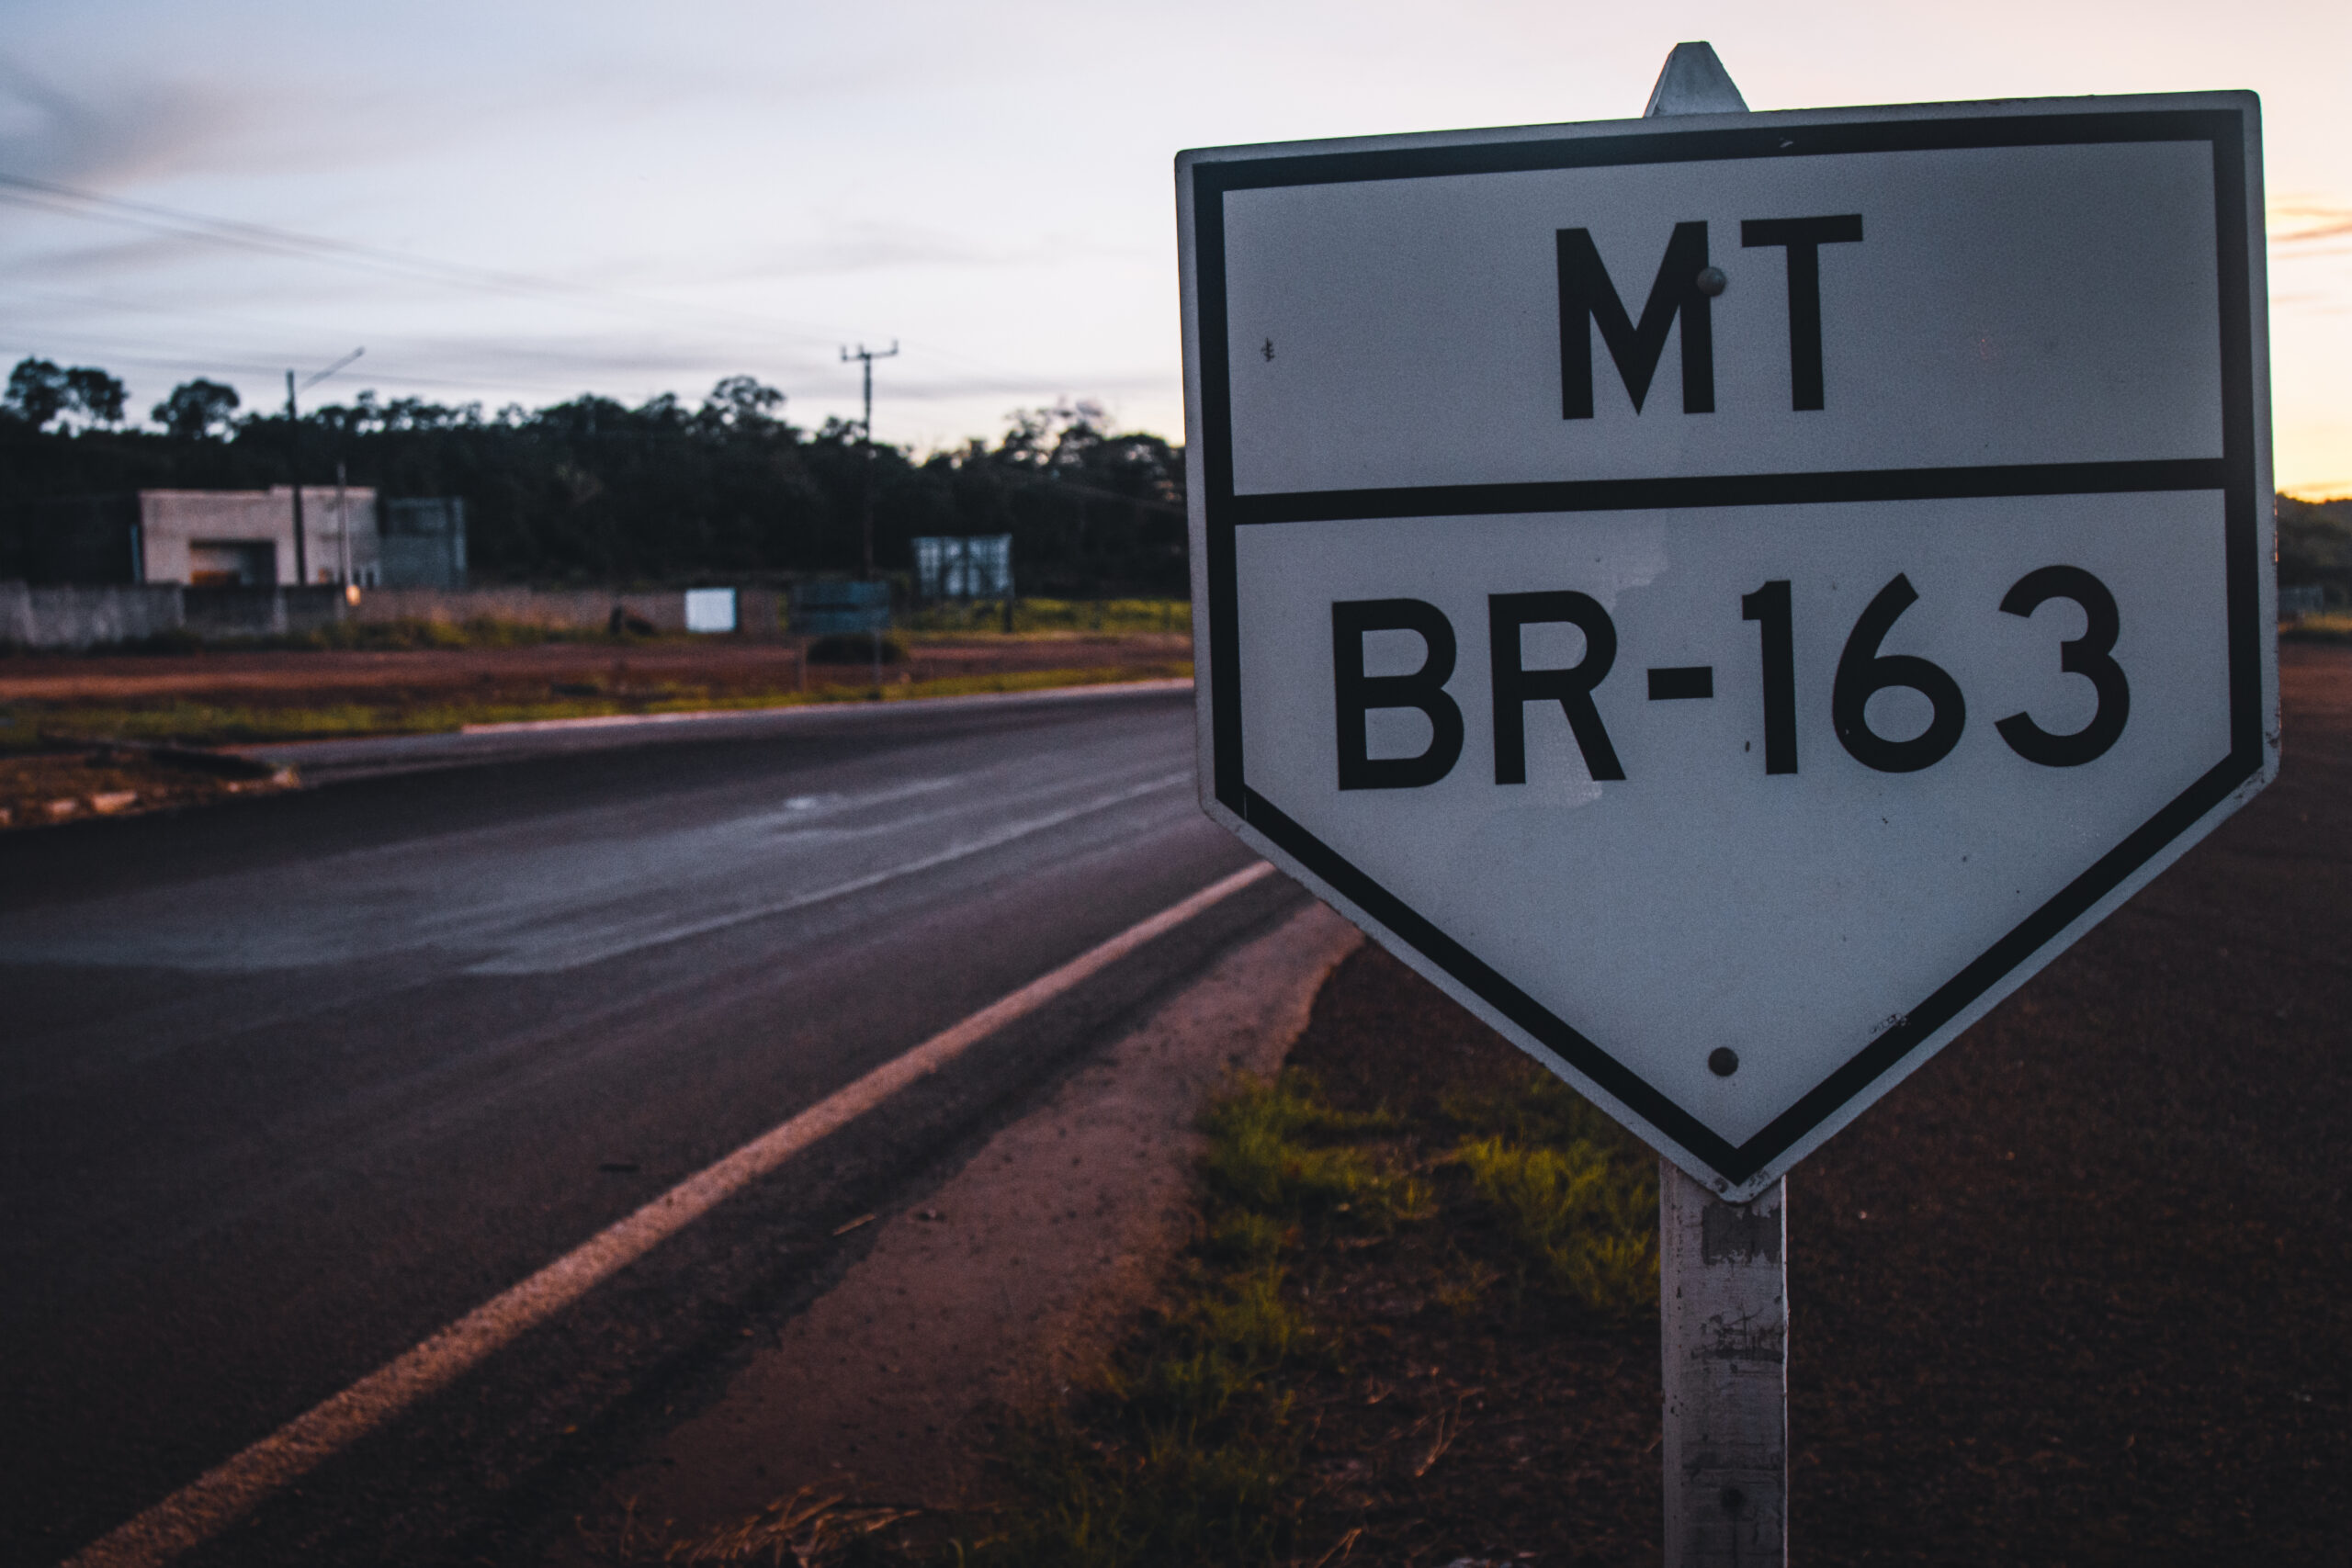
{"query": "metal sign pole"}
(1722, 1267)
(1723, 1342)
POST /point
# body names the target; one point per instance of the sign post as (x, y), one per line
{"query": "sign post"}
(1723, 1286)
(1724, 1323)
(1729, 596)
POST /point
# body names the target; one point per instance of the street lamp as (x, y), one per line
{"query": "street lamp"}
(293, 435)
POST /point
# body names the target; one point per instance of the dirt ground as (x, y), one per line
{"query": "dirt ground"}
(62, 786)
(997, 1290)
(721, 667)
(53, 708)
(2076, 1292)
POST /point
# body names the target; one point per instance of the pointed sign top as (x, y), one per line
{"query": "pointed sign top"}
(1694, 81)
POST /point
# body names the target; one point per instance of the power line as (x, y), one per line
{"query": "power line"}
(315, 377)
(48, 196)
(64, 200)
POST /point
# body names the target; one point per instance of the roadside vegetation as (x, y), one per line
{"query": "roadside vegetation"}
(409, 635)
(2336, 627)
(1191, 1447)
(1054, 615)
(1031, 618)
(33, 728)
(63, 785)
(1419, 1303)
(1300, 1397)
(2315, 550)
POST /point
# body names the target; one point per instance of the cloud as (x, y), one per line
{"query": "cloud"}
(134, 131)
(867, 244)
(129, 254)
(2308, 221)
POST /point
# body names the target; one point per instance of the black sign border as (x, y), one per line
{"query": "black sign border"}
(2234, 474)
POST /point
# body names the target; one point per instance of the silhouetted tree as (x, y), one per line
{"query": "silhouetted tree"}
(196, 409)
(97, 396)
(38, 391)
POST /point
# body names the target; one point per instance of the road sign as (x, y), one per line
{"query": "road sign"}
(840, 609)
(964, 566)
(1730, 598)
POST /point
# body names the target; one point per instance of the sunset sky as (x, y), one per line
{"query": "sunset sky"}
(525, 201)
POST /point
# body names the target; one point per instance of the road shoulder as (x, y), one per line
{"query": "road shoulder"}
(1000, 1289)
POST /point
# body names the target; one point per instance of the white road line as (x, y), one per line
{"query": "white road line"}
(217, 1499)
(574, 957)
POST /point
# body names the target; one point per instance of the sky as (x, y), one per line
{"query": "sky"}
(528, 201)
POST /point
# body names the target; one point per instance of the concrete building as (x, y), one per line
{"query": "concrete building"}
(423, 542)
(236, 538)
(245, 538)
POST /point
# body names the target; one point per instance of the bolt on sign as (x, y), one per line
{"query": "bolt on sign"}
(1728, 598)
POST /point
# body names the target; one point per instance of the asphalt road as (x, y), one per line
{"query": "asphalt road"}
(288, 1085)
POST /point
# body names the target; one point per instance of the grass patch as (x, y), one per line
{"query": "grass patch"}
(857, 648)
(1055, 615)
(26, 725)
(38, 789)
(1592, 1229)
(1198, 1443)
(399, 636)
(1278, 1152)
(2334, 626)
(804, 1528)
(1187, 1450)
(1581, 1205)
(478, 631)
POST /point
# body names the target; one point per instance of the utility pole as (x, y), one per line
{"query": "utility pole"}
(293, 438)
(293, 435)
(867, 356)
(342, 527)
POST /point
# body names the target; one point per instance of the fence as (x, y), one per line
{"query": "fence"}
(840, 609)
(562, 609)
(2308, 599)
(77, 618)
(85, 617)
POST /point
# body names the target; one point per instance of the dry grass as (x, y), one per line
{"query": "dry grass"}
(806, 1530)
(1558, 1171)
(1207, 1436)
(2334, 626)
(233, 724)
(1194, 1446)
(39, 789)
(1032, 616)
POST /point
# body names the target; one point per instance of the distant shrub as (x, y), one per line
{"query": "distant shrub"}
(856, 648)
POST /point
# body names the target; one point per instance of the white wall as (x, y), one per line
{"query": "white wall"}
(173, 520)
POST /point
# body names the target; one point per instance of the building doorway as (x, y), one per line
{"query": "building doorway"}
(233, 563)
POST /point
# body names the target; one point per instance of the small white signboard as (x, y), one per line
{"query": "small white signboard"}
(1729, 598)
(710, 609)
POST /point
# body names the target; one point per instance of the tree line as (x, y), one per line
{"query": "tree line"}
(593, 490)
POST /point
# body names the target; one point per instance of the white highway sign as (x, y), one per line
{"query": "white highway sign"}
(1729, 598)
